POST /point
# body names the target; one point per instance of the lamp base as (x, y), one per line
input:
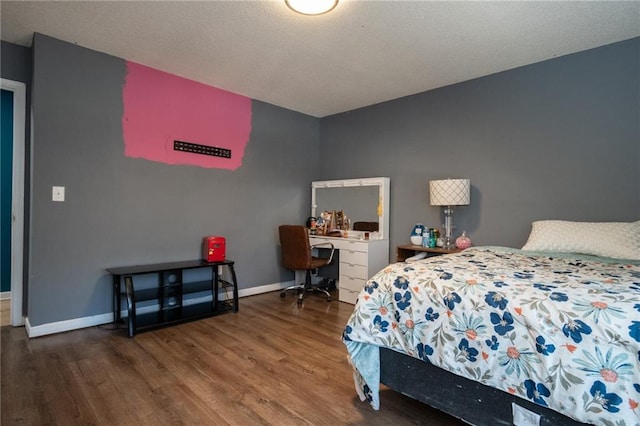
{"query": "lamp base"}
(448, 244)
(448, 224)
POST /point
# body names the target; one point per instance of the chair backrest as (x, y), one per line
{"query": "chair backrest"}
(295, 247)
(366, 226)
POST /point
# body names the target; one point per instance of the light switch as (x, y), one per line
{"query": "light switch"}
(58, 193)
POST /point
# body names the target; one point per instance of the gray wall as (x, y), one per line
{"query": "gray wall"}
(558, 139)
(15, 62)
(121, 211)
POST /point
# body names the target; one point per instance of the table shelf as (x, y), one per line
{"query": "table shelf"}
(407, 250)
(179, 315)
(170, 293)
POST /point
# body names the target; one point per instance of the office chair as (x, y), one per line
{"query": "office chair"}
(366, 226)
(297, 255)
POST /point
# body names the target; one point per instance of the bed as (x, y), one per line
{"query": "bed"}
(477, 332)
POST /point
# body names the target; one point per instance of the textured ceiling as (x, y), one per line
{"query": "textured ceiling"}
(362, 53)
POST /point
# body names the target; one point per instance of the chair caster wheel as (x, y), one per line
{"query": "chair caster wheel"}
(299, 301)
(282, 295)
(328, 299)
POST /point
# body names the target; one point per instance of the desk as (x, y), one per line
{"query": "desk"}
(408, 250)
(359, 260)
(169, 292)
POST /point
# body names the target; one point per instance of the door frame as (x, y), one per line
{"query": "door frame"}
(17, 197)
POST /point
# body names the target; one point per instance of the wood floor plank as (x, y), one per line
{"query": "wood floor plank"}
(20, 404)
(272, 363)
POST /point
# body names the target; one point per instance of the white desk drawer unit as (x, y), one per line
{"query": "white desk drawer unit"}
(352, 270)
(354, 257)
(359, 261)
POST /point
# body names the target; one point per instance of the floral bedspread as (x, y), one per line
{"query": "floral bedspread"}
(562, 331)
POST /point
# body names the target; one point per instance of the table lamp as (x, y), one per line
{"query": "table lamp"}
(448, 193)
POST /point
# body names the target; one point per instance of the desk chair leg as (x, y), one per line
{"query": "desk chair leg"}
(303, 288)
(322, 290)
(297, 287)
(309, 287)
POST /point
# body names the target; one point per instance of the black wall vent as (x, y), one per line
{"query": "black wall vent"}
(195, 148)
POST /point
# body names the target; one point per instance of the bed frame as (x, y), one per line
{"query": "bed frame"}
(465, 399)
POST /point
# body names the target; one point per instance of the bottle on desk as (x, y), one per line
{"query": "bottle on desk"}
(425, 238)
(432, 238)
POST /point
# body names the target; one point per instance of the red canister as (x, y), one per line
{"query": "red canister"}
(214, 248)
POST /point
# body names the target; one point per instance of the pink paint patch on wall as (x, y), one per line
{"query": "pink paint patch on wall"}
(160, 108)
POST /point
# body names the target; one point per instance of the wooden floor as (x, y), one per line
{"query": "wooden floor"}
(271, 363)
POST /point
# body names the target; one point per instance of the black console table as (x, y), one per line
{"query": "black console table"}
(170, 293)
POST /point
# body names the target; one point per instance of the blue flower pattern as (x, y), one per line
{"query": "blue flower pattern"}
(379, 324)
(424, 351)
(575, 330)
(401, 283)
(525, 336)
(502, 324)
(451, 299)
(431, 315)
(403, 300)
(467, 352)
(370, 287)
(537, 392)
(544, 348)
(634, 330)
(556, 296)
(544, 287)
(496, 300)
(607, 400)
(346, 333)
(493, 343)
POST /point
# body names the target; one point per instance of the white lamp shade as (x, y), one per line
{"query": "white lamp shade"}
(450, 192)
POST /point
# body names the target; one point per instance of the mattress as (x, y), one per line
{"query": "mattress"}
(560, 330)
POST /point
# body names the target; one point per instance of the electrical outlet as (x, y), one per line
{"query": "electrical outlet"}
(57, 194)
(524, 417)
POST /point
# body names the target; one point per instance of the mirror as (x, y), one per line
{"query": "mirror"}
(362, 200)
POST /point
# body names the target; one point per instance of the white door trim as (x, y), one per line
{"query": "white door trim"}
(17, 196)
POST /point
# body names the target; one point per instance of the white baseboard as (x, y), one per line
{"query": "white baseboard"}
(5, 295)
(67, 325)
(78, 323)
(264, 289)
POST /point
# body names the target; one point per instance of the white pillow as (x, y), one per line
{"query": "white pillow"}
(619, 240)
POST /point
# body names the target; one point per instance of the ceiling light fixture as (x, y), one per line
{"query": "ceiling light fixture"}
(311, 7)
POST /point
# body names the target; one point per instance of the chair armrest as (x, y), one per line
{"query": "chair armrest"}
(328, 245)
